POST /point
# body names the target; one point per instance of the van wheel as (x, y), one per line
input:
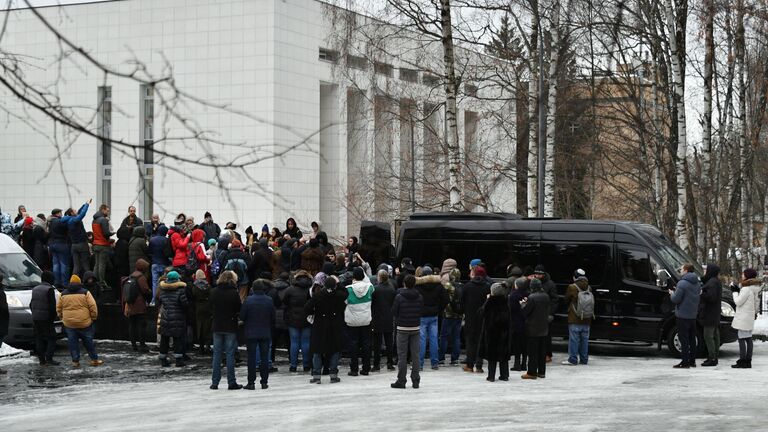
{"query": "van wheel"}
(675, 347)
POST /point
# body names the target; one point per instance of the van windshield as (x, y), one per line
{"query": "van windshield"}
(19, 271)
(671, 253)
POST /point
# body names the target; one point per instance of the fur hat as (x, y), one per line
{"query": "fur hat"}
(200, 275)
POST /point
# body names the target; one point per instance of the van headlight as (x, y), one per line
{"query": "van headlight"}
(14, 302)
(726, 310)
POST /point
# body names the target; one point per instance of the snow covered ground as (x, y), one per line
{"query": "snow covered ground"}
(7, 351)
(622, 389)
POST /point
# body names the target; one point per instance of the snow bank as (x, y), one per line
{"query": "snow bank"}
(7, 351)
(761, 326)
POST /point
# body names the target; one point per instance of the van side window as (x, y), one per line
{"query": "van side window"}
(638, 265)
(562, 259)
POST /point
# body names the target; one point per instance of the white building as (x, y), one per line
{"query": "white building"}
(333, 116)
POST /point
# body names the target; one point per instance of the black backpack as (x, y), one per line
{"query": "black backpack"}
(130, 290)
(192, 264)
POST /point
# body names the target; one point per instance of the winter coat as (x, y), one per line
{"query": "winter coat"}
(516, 315)
(258, 316)
(572, 300)
(261, 262)
(406, 310)
(550, 289)
(77, 308)
(285, 255)
(225, 307)
(122, 253)
(197, 247)
(57, 231)
(132, 222)
(294, 232)
(711, 298)
(328, 308)
(453, 290)
(495, 338)
(381, 306)
(152, 230)
(160, 251)
(179, 244)
(5, 316)
(536, 311)
(100, 229)
(747, 304)
(448, 266)
(211, 229)
(312, 260)
(358, 312)
(686, 296)
(172, 301)
(229, 261)
(296, 258)
(90, 283)
(43, 303)
(40, 247)
(137, 247)
(139, 306)
(473, 297)
(295, 299)
(75, 228)
(201, 293)
(433, 295)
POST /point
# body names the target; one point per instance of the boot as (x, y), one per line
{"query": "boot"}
(516, 366)
(52, 362)
(682, 365)
(201, 350)
(264, 386)
(739, 364)
(397, 385)
(97, 362)
(315, 380)
(709, 362)
(527, 376)
(250, 386)
(468, 368)
(164, 362)
(180, 362)
(335, 379)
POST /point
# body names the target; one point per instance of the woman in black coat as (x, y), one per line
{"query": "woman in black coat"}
(495, 334)
(299, 329)
(519, 291)
(121, 252)
(711, 296)
(327, 307)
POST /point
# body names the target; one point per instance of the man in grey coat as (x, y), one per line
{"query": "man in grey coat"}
(686, 299)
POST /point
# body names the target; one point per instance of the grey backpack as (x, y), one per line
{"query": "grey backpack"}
(585, 304)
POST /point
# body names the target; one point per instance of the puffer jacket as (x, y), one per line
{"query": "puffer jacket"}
(179, 243)
(43, 303)
(139, 306)
(747, 304)
(407, 308)
(448, 266)
(359, 297)
(294, 300)
(172, 301)
(225, 308)
(77, 307)
(433, 294)
(686, 296)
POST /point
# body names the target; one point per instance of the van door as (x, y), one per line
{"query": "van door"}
(638, 301)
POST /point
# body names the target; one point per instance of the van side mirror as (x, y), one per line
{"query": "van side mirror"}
(662, 278)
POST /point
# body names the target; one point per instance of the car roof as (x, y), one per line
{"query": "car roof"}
(7, 245)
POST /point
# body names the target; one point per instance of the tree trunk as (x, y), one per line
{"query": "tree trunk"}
(549, 165)
(451, 127)
(533, 143)
(707, 166)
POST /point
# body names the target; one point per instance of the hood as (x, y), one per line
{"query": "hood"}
(39, 222)
(139, 232)
(142, 265)
(428, 282)
(98, 215)
(172, 286)
(198, 236)
(410, 294)
(223, 243)
(448, 265)
(360, 288)
(303, 283)
(124, 233)
(162, 230)
(713, 271)
(691, 278)
(89, 276)
(582, 284)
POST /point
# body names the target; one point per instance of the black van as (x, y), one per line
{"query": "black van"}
(629, 265)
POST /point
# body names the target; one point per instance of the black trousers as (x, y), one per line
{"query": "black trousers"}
(472, 336)
(178, 346)
(45, 339)
(137, 329)
(359, 340)
(537, 351)
(503, 369)
(686, 330)
(388, 342)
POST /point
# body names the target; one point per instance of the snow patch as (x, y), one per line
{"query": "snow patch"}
(8, 351)
(761, 325)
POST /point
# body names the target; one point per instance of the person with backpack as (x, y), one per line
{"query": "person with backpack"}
(136, 293)
(450, 333)
(258, 317)
(581, 311)
(237, 261)
(172, 317)
(197, 259)
(201, 293)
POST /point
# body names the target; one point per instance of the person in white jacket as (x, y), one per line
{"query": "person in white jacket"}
(747, 299)
(358, 318)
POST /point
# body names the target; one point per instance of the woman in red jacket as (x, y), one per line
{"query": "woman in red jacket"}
(197, 245)
(180, 244)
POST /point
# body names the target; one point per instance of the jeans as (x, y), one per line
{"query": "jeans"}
(686, 330)
(45, 340)
(408, 341)
(157, 271)
(101, 255)
(299, 340)
(62, 256)
(450, 333)
(81, 258)
(388, 342)
(261, 345)
(74, 336)
(578, 343)
(333, 364)
(537, 351)
(712, 339)
(359, 339)
(137, 325)
(258, 355)
(226, 342)
(428, 332)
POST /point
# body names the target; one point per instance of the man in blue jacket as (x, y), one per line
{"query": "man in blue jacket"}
(81, 253)
(258, 316)
(686, 300)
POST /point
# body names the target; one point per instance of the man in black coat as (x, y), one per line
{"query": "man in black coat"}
(43, 308)
(327, 340)
(536, 310)
(4, 317)
(495, 341)
(711, 297)
(211, 228)
(406, 311)
(472, 298)
(381, 307)
(225, 309)
(550, 289)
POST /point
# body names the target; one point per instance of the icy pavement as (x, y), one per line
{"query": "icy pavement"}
(622, 389)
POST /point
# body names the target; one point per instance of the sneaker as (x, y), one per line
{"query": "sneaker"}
(249, 386)
(397, 385)
(214, 387)
(526, 376)
(709, 362)
(352, 373)
(334, 380)
(568, 363)
(97, 362)
(235, 387)
(314, 380)
(681, 365)
(467, 369)
(75, 364)
(542, 376)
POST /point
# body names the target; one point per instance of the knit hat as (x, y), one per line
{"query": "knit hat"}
(211, 242)
(236, 244)
(475, 262)
(207, 215)
(514, 271)
(172, 276)
(265, 228)
(200, 275)
(497, 289)
(75, 280)
(750, 273)
(480, 272)
(535, 285)
(358, 273)
(521, 283)
(540, 269)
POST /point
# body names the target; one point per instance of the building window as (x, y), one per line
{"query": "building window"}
(410, 75)
(470, 90)
(104, 131)
(357, 62)
(385, 69)
(431, 80)
(148, 156)
(328, 55)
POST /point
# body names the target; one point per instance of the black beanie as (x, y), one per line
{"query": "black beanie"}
(48, 277)
(358, 273)
(328, 268)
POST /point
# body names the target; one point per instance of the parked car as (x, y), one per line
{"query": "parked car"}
(629, 265)
(20, 275)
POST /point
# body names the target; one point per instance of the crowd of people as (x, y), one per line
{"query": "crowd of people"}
(227, 290)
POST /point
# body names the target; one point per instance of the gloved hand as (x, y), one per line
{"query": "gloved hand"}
(734, 287)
